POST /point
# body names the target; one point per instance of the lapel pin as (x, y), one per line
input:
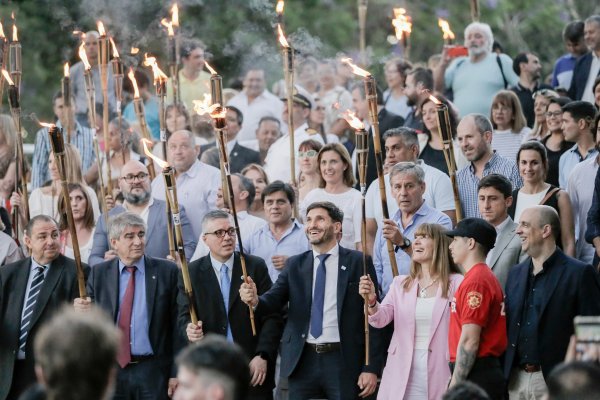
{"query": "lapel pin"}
(235, 154)
(343, 267)
(153, 276)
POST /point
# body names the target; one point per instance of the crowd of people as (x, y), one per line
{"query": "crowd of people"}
(296, 297)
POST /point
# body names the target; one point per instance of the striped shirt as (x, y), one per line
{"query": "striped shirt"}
(468, 182)
(568, 160)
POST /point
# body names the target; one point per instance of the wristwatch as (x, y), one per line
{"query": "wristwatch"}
(405, 244)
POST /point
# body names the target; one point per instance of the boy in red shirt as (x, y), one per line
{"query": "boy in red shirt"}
(477, 334)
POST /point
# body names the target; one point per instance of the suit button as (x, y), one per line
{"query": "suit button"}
(513, 345)
(303, 336)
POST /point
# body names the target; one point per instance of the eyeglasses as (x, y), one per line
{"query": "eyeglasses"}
(220, 233)
(309, 154)
(553, 114)
(130, 178)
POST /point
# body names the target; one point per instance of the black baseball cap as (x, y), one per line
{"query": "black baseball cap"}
(476, 228)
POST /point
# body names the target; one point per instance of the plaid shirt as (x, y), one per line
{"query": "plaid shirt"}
(468, 182)
(82, 140)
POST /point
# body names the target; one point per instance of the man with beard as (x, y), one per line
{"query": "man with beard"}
(474, 134)
(322, 353)
(135, 186)
(474, 80)
(529, 69)
(418, 85)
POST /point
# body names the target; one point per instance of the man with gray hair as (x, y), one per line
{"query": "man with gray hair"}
(139, 293)
(407, 180)
(135, 186)
(476, 78)
(474, 134)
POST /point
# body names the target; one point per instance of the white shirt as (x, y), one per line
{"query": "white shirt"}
(33, 272)
(331, 331)
(588, 94)
(526, 200)
(145, 212)
(266, 104)
(438, 194)
(217, 267)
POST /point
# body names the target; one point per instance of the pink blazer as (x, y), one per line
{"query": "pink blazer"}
(399, 305)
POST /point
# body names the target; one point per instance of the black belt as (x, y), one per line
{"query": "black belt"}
(139, 359)
(321, 348)
(530, 368)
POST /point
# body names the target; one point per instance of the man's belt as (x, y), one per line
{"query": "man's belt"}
(320, 348)
(531, 368)
(139, 359)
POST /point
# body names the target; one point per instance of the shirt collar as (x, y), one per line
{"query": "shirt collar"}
(335, 251)
(502, 224)
(423, 210)
(550, 261)
(150, 202)
(194, 169)
(35, 265)
(217, 264)
(139, 264)
(491, 162)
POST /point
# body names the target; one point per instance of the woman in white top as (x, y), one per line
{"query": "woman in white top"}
(394, 98)
(419, 305)
(83, 217)
(310, 175)
(510, 125)
(336, 171)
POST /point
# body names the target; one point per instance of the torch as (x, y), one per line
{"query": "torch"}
(20, 178)
(117, 70)
(173, 57)
(138, 106)
(362, 23)
(448, 34)
(58, 148)
(403, 26)
(66, 95)
(371, 94)
(475, 10)
(171, 187)
(3, 60)
(103, 62)
(445, 132)
(15, 59)
(362, 151)
(288, 69)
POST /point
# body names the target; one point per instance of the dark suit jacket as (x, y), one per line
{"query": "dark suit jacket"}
(572, 288)
(210, 309)
(239, 157)
(581, 72)
(157, 245)
(161, 295)
(59, 288)
(387, 120)
(294, 285)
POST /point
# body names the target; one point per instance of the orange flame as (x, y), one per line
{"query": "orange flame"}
(101, 30)
(448, 34)
(46, 125)
(147, 142)
(279, 7)
(134, 50)
(353, 120)
(355, 69)
(83, 57)
(80, 34)
(218, 112)
(2, 35)
(282, 38)
(435, 99)
(169, 26)
(131, 76)
(159, 76)
(114, 48)
(7, 77)
(15, 38)
(202, 107)
(402, 23)
(211, 69)
(66, 70)
(175, 15)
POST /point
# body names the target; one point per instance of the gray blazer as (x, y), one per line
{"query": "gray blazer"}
(507, 252)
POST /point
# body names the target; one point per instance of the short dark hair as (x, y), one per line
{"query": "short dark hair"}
(424, 76)
(465, 390)
(561, 101)
(408, 135)
(38, 218)
(268, 118)
(575, 380)
(573, 31)
(247, 185)
(238, 114)
(518, 60)
(279, 186)
(498, 182)
(333, 211)
(580, 110)
(190, 45)
(363, 94)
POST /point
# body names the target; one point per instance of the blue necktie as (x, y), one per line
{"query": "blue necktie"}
(225, 286)
(316, 312)
(34, 291)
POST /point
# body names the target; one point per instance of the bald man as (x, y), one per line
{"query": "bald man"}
(134, 183)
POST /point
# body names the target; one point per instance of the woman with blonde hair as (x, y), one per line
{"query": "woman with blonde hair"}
(541, 101)
(259, 178)
(419, 305)
(510, 125)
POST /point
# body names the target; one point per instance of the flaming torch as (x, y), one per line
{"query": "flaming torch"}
(362, 23)
(402, 23)
(475, 10)
(140, 112)
(445, 132)
(66, 95)
(20, 170)
(279, 11)
(58, 148)
(3, 60)
(117, 70)
(218, 115)
(448, 34)
(15, 58)
(362, 151)
(288, 70)
(371, 93)
(103, 62)
(169, 176)
(173, 56)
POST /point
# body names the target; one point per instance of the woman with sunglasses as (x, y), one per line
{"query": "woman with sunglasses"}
(541, 100)
(309, 177)
(555, 142)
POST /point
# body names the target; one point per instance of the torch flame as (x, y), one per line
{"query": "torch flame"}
(15, 38)
(114, 48)
(80, 34)
(355, 69)
(448, 34)
(435, 99)
(279, 7)
(175, 15)
(134, 50)
(7, 77)
(282, 38)
(83, 57)
(353, 120)
(169, 26)
(2, 35)
(147, 142)
(211, 69)
(46, 125)
(101, 30)
(66, 70)
(131, 76)
(402, 23)
(159, 76)
(202, 107)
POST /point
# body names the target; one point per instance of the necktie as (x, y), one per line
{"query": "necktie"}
(124, 323)
(34, 291)
(225, 286)
(316, 312)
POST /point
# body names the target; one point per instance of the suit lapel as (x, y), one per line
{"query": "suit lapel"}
(236, 282)
(553, 278)
(20, 287)
(54, 273)
(520, 292)
(503, 240)
(112, 274)
(153, 213)
(342, 283)
(306, 274)
(150, 280)
(439, 306)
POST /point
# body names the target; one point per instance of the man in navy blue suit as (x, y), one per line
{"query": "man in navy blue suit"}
(587, 67)
(543, 295)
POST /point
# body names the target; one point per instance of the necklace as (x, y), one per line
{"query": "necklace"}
(423, 290)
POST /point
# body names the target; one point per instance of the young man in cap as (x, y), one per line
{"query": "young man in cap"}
(477, 335)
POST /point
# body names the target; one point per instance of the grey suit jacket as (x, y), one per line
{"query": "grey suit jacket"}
(507, 252)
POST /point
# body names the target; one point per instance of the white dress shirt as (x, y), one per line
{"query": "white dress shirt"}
(145, 212)
(588, 94)
(265, 104)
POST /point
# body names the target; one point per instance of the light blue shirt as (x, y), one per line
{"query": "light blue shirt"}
(140, 340)
(151, 112)
(381, 259)
(264, 245)
(568, 161)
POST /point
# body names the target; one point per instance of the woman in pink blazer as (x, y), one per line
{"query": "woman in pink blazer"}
(419, 304)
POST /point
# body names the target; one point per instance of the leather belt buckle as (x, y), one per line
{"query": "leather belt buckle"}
(321, 348)
(531, 368)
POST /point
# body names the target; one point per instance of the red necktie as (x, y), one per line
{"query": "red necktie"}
(124, 323)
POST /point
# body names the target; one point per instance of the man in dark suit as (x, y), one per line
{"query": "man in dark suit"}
(587, 67)
(323, 348)
(239, 156)
(135, 186)
(387, 120)
(216, 282)
(32, 290)
(140, 294)
(543, 295)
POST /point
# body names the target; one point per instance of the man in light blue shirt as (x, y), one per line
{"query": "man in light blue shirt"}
(408, 186)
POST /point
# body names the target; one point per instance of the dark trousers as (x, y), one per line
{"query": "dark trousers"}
(146, 380)
(317, 376)
(487, 374)
(23, 377)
